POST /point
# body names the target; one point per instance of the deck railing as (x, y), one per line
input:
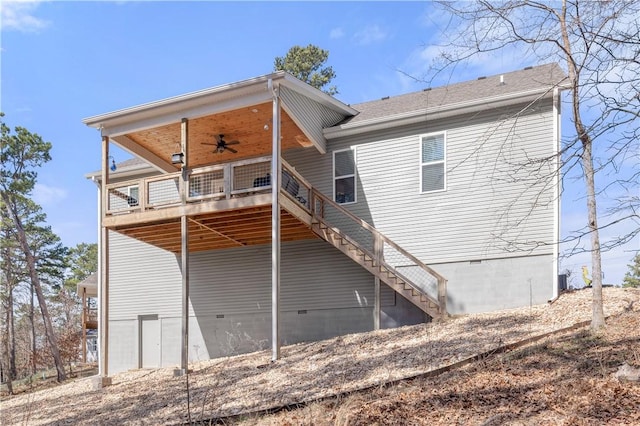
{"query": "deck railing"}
(90, 315)
(223, 181)
(383, 250)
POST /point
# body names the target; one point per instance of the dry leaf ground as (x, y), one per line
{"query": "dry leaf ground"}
(564, 380)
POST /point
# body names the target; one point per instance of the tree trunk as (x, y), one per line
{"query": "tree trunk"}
(597, 319)
(10, 338)
(35, 282)
(34, 348)
(11, 335)
(8, 373)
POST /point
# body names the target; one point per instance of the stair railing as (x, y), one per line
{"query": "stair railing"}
(384, 251)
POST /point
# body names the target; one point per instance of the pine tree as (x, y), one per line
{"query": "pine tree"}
(632, 277)
(20, 154)
(306, 64)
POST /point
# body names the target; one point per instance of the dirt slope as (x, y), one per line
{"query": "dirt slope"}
(563, 380)
(242, 384)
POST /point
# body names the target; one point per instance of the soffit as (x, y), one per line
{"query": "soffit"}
(251, 126)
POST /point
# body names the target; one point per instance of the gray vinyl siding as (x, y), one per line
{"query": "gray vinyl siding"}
(323, 294)
(314, 276)
(143, 279)
(314, 115)
(489, 202)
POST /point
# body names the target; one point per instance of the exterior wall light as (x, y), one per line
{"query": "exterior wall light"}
(177, 158)
(113, 164)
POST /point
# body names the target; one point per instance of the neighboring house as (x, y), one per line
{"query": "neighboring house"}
(392, 212)
(87, 290)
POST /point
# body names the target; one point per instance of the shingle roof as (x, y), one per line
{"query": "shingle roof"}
(130, 165)
(528, 79)
(90, 284)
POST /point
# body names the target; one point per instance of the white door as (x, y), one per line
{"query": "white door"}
(150, 342)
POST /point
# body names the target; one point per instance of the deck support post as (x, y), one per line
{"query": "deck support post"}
(184, 251)
(276, 170)
(184, 266)
(376, 304)
(84, 325)
(103, 378)
(378, 253)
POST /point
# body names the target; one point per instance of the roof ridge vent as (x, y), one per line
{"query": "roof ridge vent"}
(528, 68)
(482, 78)
(427, 89)
(384, 98)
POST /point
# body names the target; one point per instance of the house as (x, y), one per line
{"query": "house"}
(87, 290)
(391, 212)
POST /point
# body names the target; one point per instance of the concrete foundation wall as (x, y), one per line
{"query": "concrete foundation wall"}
(401, 313)
(496, 284)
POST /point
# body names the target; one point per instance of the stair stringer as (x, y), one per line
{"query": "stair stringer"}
(387, 274)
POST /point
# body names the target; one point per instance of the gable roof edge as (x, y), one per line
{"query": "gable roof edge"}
(193, 100)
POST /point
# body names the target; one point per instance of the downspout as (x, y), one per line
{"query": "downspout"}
(556, 190)
(276, 170)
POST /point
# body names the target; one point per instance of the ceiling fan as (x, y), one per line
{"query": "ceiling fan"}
(222, 145)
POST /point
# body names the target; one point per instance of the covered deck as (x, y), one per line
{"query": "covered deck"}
(218, 176)
(215, 152)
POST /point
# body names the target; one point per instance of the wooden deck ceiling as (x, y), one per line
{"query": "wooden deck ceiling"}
(219, 230)
(251, 126)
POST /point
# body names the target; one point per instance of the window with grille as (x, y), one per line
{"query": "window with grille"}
(432, 162)
(344, 176)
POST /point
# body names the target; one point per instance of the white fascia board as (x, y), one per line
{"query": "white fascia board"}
(190, 105)
(205, 102)
(149, 120)
(435, 113)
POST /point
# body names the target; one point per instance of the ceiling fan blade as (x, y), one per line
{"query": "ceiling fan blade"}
(207, 143)
(231, 149)
(232, 143)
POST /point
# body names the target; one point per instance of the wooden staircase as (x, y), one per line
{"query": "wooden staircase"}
(320, 213)
(378, 268)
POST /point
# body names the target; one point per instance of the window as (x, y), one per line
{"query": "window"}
(344, 176)
(432, 162)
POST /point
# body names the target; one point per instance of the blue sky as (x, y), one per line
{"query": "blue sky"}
(64, 61)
